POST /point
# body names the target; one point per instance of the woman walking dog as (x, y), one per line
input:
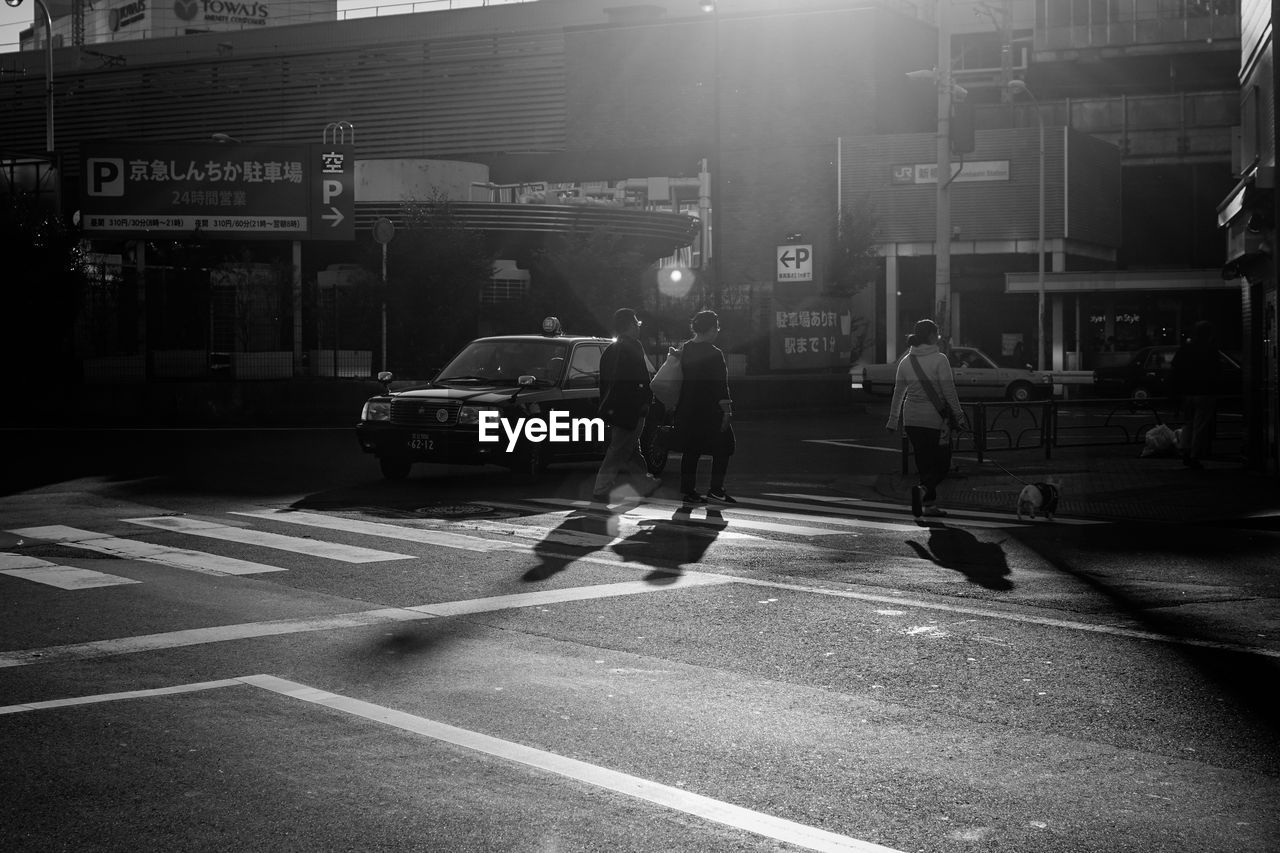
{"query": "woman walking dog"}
(925, 406)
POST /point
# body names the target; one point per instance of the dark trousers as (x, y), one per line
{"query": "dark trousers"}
(933, 460)
(689, 470)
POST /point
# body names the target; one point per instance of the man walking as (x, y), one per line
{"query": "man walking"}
(624, 403)
(1197, 379)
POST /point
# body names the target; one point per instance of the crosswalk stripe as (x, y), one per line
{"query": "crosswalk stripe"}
(379, 528)
(246, 536)
(625, 525)
(52, 574)
(865, 517)
(962, 516)
(652, 509)
(131, 549)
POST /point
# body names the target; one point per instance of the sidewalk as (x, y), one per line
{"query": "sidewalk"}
(1112, 482)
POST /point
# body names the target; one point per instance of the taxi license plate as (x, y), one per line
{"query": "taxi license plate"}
(421, 441)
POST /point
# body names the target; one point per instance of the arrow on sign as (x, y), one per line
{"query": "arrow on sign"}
(336, 216)
(787, 258)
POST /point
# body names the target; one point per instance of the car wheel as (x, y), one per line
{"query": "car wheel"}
(394, 467)
(529, 462)
(1020, 392)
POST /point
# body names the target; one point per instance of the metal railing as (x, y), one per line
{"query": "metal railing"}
(1056, 424)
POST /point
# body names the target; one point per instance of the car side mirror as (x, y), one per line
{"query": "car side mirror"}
(385, 377)
(526, 379)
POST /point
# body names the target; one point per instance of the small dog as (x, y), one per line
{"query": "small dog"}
(1038, 496)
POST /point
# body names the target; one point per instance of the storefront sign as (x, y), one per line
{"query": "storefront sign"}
(808, 331)
(927, 173)
(230, 191)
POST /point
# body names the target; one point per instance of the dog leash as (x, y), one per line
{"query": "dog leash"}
(1007, 471)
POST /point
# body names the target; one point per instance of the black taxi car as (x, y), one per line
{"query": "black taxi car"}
(540, 386)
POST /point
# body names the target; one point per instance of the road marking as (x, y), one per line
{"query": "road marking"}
(97, 698)
(278, 627)
(677, 799)
(630, 523)
(380, 528)
(652, 509)
(52, 574)
(1046, 621)
(246, 536)
(706, 808)
(962, 516)
(131, 549)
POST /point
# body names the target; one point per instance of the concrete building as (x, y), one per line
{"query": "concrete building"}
(764, 119)
(1248, 214)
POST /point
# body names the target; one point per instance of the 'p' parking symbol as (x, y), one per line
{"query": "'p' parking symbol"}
(106, 176)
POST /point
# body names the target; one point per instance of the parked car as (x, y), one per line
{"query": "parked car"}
(978, 377)
(537, 381)
(1149, 373)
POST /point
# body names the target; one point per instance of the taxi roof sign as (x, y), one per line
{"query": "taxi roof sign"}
(551, 327)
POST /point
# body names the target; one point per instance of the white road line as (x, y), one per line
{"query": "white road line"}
(381, 528)
(52, 574)
(651, 509)
(695, 524)
(97, 698)
(677, 799)
(706, 808)
(965, 517)
(246, 536)
(131, 549)
(277, 627)
(560, 596)
(1046, 621)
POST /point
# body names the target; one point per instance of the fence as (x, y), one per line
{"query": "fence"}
(1056, 424)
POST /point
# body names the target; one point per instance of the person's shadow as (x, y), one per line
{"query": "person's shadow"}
(983, 563)
(580, 533)
(670, 545)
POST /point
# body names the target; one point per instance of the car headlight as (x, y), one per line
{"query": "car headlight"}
(470, 415)
(376, 410)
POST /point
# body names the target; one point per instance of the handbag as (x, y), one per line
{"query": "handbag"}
(666, 383)
(944, 409)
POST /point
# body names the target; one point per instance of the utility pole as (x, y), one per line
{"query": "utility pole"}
(942, 239)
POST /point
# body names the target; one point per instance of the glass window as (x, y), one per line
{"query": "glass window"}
(586, 362)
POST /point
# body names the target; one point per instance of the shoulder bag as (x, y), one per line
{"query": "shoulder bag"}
(936, 398)
(666, 383)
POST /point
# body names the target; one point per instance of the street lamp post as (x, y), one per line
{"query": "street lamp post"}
(1020, 86)
(48, 71)
(717, 164)
(947, 88)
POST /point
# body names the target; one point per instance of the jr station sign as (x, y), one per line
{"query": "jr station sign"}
(231, 191)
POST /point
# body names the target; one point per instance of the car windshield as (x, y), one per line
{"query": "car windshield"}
(503, 362)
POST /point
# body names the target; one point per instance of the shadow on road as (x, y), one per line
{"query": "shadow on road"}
(983, 563)
(670, 545)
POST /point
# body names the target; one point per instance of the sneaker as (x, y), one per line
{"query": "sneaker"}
(720, 496)
(917, 501)
(600, 498)
(935, 512)
(693, 498)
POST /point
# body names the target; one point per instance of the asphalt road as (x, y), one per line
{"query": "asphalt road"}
(258, 644)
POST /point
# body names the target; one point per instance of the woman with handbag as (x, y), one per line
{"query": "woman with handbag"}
(926, 407)
(704, 411)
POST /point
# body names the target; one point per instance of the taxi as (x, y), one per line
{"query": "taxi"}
(977, 377)
(522, 402)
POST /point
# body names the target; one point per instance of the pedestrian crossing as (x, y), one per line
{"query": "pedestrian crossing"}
(770, 520)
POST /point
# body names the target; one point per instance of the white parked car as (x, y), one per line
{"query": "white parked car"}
(978, 377)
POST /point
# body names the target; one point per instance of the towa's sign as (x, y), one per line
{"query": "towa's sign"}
(214, 190)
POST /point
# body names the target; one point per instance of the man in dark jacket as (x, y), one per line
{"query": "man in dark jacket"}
(1197, 379)
(624, 403)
